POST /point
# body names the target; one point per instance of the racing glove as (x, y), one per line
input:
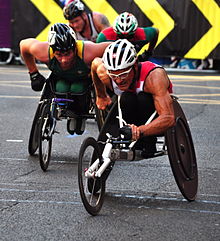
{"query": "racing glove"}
(126, 131)
(37, 81)
(145, 55)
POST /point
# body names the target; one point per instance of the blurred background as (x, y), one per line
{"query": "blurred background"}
(189, 30)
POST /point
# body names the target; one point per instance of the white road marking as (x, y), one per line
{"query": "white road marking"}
(176, 78)
(14, 140)
(19, 97)
(197, 86)
(128, 196)
(14, 85)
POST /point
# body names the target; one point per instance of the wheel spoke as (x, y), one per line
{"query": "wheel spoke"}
(92, 190)
(45, 142)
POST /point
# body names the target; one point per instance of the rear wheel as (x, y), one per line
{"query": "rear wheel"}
(92, 189)
(182, 155)
(45, 137)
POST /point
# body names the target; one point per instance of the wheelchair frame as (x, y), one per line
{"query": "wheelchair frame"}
(178, 144)
(53, 106)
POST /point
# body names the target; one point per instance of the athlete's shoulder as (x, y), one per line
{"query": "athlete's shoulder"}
(100, 21)
(109, 33)
(97, 14)
(139, 30)
(149, 65)
(146, 33)
(140, 34)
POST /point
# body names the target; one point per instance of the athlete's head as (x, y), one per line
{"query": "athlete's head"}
(61, 37)
(120, 60)
(119, 55)
(125, 25)
(73, 9)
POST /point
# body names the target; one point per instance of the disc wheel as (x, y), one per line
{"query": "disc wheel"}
(182, 158)
(92, 189)
(44, 140)
(33, 138)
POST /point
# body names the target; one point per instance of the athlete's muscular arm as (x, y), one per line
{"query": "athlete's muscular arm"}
(157, 84)
(32, 49)
(101, 22)
(92, 50)
(101, 38)
(100, 80)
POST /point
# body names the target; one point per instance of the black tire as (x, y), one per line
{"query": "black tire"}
(45, 141)
(33, 138)
(111, 125)
(182, 155)
(92, 191)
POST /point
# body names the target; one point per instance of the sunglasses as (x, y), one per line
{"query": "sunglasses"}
(122, 75)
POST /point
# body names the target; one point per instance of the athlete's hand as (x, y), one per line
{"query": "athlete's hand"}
(37, 81)
(145, 55)
(136, 134)
(103, 102)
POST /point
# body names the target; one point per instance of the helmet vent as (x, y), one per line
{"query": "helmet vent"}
(120, 54)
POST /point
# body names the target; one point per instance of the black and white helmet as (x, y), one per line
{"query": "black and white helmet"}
(125, 24)
(120, 54)
(61, 37)
(73, 9)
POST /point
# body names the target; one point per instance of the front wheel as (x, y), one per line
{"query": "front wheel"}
(33, 138)
(92, 189)
(45, 137)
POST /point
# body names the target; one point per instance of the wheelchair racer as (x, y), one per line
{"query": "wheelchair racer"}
(143, 86)
(69, 61)
(87, 26)
(126, 27)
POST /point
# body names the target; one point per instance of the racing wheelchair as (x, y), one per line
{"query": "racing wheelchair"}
(54, 106)
(97, 157)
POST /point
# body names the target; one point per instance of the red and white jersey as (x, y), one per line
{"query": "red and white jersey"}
(145, 69)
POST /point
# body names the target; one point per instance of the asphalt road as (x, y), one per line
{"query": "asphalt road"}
(142, 201)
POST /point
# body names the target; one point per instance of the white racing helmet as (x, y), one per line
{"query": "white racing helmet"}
(120, 54)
